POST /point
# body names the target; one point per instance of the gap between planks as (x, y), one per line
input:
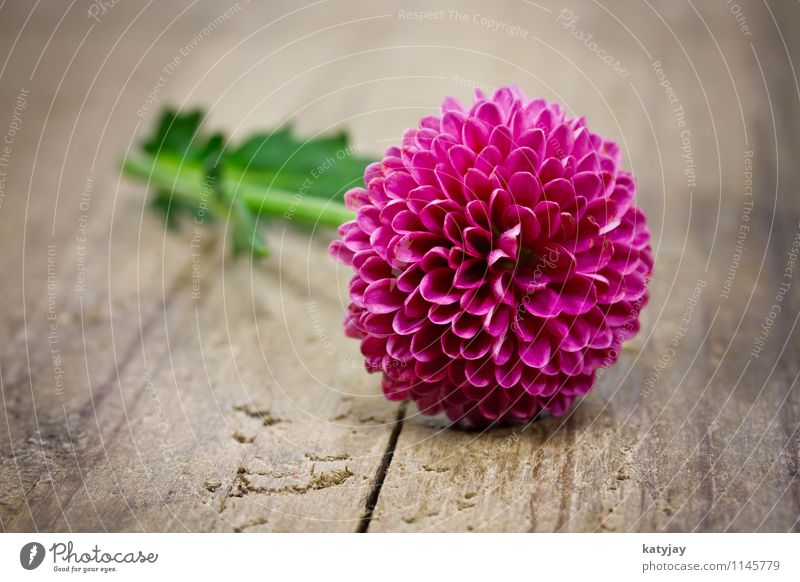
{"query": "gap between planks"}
(383, 469)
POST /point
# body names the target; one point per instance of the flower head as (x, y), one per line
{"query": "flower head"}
(499, 260)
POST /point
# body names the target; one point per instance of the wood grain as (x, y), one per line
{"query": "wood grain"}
(135, 402)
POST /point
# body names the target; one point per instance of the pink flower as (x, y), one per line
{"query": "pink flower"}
(499, 260)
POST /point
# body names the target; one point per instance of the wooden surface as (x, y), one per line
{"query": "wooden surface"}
(133, 401)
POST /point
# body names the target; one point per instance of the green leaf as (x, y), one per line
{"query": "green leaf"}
(180, 156)
(172, 207)
(325, 167)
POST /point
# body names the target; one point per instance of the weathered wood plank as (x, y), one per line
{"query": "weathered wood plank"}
(248, 424)
(62, 363)
(73, 464)
(712, 446)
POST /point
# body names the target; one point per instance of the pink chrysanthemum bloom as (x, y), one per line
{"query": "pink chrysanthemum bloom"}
(499, 260)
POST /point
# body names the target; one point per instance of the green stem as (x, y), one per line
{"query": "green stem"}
(187, 181)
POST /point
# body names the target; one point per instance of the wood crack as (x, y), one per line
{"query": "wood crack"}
(383, 469)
